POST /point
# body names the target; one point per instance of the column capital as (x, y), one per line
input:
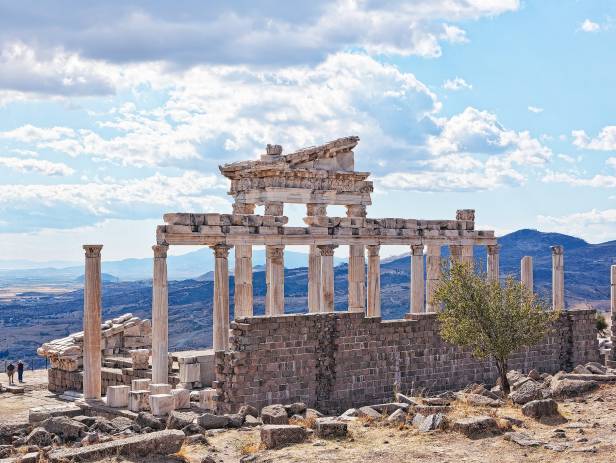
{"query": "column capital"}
(93, 250)
(221, 250)
(455, 249)
(160, 250)
(274, 208)
(433, 249)
(417, 249)
(557, 249)
(356, 210)
(274, 251)
(373, 249)
(316, 210)
(327, 249)
(465, 214)
(493, 249)
(243, 208)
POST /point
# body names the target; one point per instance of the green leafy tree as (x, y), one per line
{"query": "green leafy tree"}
(492, 319)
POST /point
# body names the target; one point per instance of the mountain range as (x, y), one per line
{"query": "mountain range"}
(30, 318)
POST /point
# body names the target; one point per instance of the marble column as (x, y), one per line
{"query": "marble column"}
(526, 272)
(558, 278)
(160, 317)
(357, 266)
(92, 323)
(220, 316)
(314, 279)
(374, 282)
(467, 254)
(327, 277)
(612, 361)
(455, 253)
(418, 284)
(274, 280)
(493, 264)
(433, 274)
(243, 281)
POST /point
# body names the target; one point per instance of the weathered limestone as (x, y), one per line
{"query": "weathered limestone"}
(357, 278)
(467, 254)
(455, 253)
(612, 363)
(526, 272)
(92, 323)
(433, 274)
(220, 317)
(160, 321)
(373, 308)
(181, 398)
(161, 388)
(417, 279)
(558, 278)
(142, 384)
(493, 263)
(327, 277)
(139, 401)
(161, 404)
(243, 281)
(274, 279)
(140, 358)
(117, 396)
(314, 280)
(190, 372)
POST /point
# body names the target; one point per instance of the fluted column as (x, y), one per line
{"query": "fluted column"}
(357, 265)
(160, 317)
(526, 272)
(418, 283)
(220, 318)
(612, 362)
(467, 254)
(558, 278)
(274, 280)
(327, 277)
(92, 323)
(455, 253)
(433, 274)
(243, 281)
(493, 264)
(314, 280)
(374, 281)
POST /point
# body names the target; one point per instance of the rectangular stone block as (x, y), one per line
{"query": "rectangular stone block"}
(117, 396)
(190, 372)
(160, 388)
(207, 368)
(161, 404)
(140, 358)
(181, 398)
(207, 399)
(142, 384)
(138, 401)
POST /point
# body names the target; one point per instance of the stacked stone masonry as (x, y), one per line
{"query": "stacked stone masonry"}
(336, 361)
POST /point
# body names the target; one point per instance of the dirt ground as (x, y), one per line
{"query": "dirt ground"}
(589, 426)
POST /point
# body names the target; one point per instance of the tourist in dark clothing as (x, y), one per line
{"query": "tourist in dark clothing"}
(10, 372)
(20, 371)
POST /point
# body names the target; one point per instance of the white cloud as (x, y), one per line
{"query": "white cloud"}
(596, 181)
(37, 166)
(611, 162)
(535, 109)
(567, 158)
(69, 205)
(456, 84)
(605, 141)
(593, 225)
(589, 26)
(453, 34)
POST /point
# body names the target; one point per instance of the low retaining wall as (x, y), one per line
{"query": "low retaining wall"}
(340, 360)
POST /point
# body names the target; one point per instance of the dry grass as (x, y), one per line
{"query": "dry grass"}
(249, 446)
(307, 423)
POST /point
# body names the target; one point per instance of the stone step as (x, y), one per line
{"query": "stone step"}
(14, 389)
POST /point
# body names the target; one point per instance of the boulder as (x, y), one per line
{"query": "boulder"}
(405, 399)
(522, 439)
(391, 407)
(432, 422)
(368, 412)
(296, 408)
(65, 427)
(39, 436)
(350, 413)
(329, 428)
(246, 410)
(418, 419)
(251, 421)
(540, 408)
(236, 420)
(397, 417)
(147, 420)
(530, 390)
(477, 400)
(581, 369)
(274, 436)
(571, 387)
(121, 423)
(211, 421)
(596, 368)
(103, 425)
(274, 414)
(179, 420)
(435, 401)
(534, 375)
(475, 426)
(312, 413)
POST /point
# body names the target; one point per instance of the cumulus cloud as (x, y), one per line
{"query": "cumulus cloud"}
(535, 109)
(68, 205)
(594, 225)
(37, 166)
(596, 181)
(456, 84)
(589, 26)
(605, 141)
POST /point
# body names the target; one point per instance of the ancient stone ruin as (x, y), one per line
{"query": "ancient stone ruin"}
(326, 359)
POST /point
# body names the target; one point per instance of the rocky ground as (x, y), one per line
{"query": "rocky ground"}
(560, 418)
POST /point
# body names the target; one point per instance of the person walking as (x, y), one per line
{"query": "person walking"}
(10, 371)
(20, 371)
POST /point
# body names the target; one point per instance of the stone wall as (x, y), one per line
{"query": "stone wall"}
(336, 361)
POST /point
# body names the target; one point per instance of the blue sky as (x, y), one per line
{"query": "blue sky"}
(111, 115)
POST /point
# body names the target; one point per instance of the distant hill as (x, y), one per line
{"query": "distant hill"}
(107, 278)
(30, 318)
